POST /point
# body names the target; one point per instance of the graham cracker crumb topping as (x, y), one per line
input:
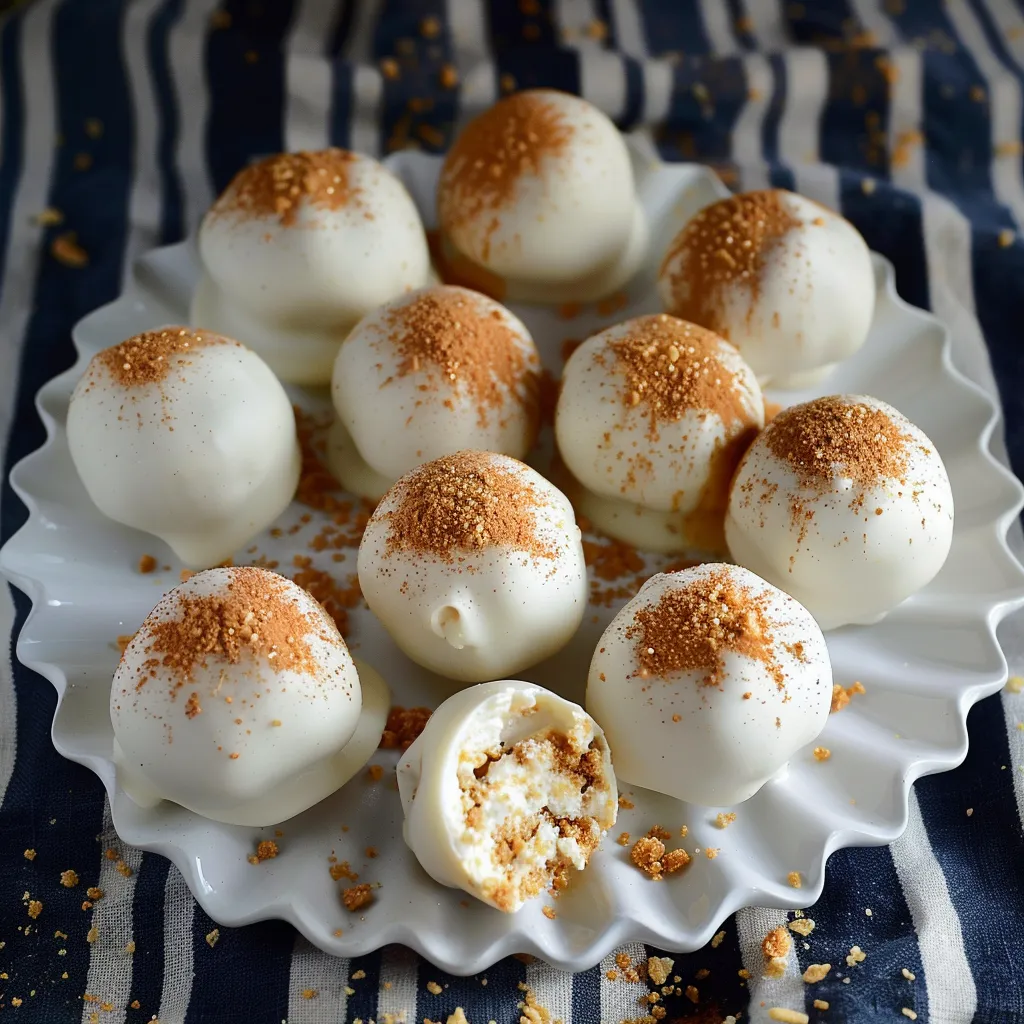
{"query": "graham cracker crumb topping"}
(509, 141)
(462, 503)
(147, 358)
(672, 367)
(444, 334)
(254, 617)
(691, 627)
(728, 244)
(278, 185)
(835, 436)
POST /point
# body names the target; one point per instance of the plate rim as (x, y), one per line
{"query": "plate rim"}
(621, 929)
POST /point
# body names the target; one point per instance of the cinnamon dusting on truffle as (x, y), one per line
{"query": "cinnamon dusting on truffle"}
(728, 244)
(692, 627)
(837, 436)
(148, 358)
(444, 334)
(506, 143)
(465, 502)
(673, 367)
(255, 618)
(278, 185)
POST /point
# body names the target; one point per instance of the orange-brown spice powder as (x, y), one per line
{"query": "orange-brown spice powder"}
(481, 174)
(256, 618)
(147, 358)
(691, 628)
(465, 502)
(729, 243)
(817, 437)
(279, 184)
(403, 726)
(444, 333)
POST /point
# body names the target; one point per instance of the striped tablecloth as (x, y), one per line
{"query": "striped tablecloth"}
(129, 115)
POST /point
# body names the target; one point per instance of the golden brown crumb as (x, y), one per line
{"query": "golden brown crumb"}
(371, 852)
(776, 943)
(683, 831)
(35, 908)
(92, 935)
(623, 839)
(816, 972)
(794, 879)
(659, 968)
(724, 820)
(309, 993)
(659, 832)
(403, 726)
(821, 1004)
(549, 912)
(718, 939)
(29, 855)
(909, 975)
(857, 956)
(357, 897)
(622, 961)
(1015, 684)
(908, 1012)
(802, 926)
(87, 904)
(612, 975)
(375, 772)
(94, 893)
(785, 1016)
(822, 753)
(626, 804)
(147, 564)
(129, 947)
(342, 870)
(433, 988)
(646, 855)
(49, 217)
(123, 869)
(711, 852)
(213, 937)
(69, 879)
(66, 250)
(266, 849)
(674, 860)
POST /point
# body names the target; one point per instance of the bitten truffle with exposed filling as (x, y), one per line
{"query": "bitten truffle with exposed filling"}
(506, 792)
(844, 503)
(474, 565)
(708, 682)
(426, 375)
(298, 248)
(186, 435)
(653, 417)
(787, 281)
(238, 699)
(537, 201)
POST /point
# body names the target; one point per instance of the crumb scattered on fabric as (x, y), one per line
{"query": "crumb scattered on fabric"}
(816, 972)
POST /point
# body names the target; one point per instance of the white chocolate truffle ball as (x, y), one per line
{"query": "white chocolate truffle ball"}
(429, 374)
(238, 699)
(787, 281)
(844, 503)
(708, 682)
(186, 435)
(653, 417)
(506, 790)
(298, 248)
(538, 193)
(474, 565)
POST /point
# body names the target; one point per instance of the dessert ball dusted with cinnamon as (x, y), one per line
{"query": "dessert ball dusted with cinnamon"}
(844, 503)
(426, 375)
(298, 248)
(652, 419)
(187, 435)
(474, 565)
(788, 282)
(507, 790)
(238, 699)
(708, 682)
(538, 193)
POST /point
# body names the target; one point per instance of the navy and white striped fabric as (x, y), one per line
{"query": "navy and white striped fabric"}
(905, 114)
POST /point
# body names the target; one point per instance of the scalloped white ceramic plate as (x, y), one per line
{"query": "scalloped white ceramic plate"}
(923, 666)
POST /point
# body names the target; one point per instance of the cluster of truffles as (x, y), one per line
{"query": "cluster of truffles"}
(238, 699)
